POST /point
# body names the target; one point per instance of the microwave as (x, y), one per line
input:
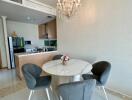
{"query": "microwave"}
(28, 43)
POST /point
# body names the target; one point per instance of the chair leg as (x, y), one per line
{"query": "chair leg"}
(105, 92)
(31, 92)
(51, 88)
(47, 92)
(60, 98)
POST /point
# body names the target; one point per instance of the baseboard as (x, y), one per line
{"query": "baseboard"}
(119, 94)
(2, 68)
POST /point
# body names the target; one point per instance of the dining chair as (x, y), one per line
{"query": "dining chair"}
(100, 72)
(57, 57)
(81, 90)
(34, 81)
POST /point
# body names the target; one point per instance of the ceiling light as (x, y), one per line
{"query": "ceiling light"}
(67, 7)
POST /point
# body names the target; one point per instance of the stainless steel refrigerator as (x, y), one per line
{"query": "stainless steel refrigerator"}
(11, 52)
(16, 45)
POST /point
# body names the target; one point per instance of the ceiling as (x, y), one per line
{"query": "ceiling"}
(22, 14)
(49, 2)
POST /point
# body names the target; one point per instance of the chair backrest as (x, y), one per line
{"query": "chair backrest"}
(78, 90)
(56, 57)
(30, 73)
(102, 70)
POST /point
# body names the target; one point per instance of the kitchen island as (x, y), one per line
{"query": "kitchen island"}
(35, 58)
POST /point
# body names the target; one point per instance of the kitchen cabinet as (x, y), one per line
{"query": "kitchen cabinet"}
(48, 30)
(42, 31)
(51, 29)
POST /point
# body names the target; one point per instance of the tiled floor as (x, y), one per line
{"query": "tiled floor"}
(11, 88)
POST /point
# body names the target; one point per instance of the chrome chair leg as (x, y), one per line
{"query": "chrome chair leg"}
(51, 88)
(47, 92)
(60, 98)
(105, 92)
(31, 92)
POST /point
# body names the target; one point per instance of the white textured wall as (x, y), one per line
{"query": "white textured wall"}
(101, 30)
(28, 31)
(2, 46)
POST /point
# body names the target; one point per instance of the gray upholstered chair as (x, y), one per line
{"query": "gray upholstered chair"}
(56, 57)
(33, 79)
(100, 72)
(82, 90)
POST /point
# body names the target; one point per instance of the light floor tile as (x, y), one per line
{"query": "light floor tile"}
(11, 88)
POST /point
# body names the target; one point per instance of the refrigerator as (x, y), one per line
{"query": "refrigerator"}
(11, 52)
(16, 45)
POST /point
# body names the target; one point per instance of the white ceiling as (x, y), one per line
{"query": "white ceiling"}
(49, 2)
(22, 14)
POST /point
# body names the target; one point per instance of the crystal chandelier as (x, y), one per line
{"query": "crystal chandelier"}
(67, 7)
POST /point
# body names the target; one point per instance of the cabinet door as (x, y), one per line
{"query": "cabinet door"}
(51, 29)
(42, 31)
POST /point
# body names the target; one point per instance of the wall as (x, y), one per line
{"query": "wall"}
(2, 46)
(28, 31)
(101, 30)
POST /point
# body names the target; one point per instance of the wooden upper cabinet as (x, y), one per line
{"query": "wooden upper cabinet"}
(42, 31)
(51, 29)
(48, 30)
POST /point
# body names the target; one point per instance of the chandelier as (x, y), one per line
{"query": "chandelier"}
(67, 7)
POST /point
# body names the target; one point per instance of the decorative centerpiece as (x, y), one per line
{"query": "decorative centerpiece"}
(65, 59)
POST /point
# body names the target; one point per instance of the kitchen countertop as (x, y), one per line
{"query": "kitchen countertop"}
(27, 54)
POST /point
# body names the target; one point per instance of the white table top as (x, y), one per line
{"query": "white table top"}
(72, 68)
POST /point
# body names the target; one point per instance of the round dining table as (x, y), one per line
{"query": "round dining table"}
(73, 68)
(70, 72)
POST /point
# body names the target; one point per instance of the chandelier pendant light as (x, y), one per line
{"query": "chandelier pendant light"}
(67, 7)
